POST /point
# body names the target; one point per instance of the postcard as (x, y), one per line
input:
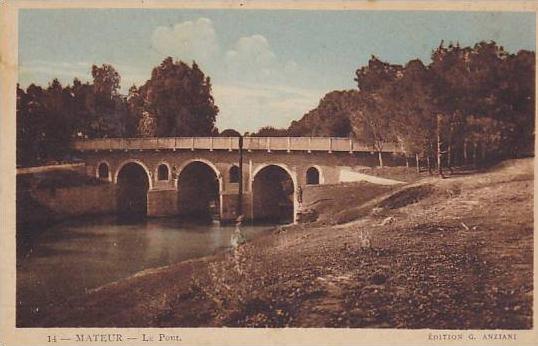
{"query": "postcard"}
(288, 173)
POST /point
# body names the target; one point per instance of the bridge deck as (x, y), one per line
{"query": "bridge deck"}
(328, 144)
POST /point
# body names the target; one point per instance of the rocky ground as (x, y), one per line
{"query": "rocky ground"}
(450, 253)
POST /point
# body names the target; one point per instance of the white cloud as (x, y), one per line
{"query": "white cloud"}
(252, 58)
(251, 50)
(190, 40)
(247, 107)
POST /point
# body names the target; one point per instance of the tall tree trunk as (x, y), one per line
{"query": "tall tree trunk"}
(465, 158)
(439, 145)
(418, 163)
(380, 156)
(429, 163)
(450, 159)
(475, 149)
(406, 161)
(449, 147)
(449, 156)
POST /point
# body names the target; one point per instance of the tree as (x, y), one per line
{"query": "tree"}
(473, 83)
(44, 123)
(84, 108)
(230, 133)
(147, 126)
(451, 85)
(26, 133)
(516, 96)
(371, 122)
(376, 75)
(178, 100)
(109, 116)
(331, 118)
(411, 102)
(106, 81)
(58, 127)
(31, 120)
(269, 131)
(135, 125)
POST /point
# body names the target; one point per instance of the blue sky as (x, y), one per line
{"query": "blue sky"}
(267, 67)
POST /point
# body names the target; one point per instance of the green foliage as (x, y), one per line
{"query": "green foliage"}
(106, 81)
(411, 106)
(229, 133)
(269, 131)
(107, 116)
(478, 97)
(44, 123)
(178, 100)
(330, 118)
(376, 75)
(485, 98)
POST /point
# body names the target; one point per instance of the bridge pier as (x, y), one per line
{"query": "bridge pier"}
(162, 203)
(229, 206)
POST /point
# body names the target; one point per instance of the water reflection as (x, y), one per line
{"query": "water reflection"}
(75, 256)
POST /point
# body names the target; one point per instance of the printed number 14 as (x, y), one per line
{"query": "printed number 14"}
(52, 338)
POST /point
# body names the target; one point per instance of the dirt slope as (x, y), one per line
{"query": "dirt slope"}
(328, 201)
(453, 253)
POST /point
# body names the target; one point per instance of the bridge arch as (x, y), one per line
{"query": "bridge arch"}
(199, 188)
(141, 164)
(103, 170)
(163, 171)
(133, 183)
(233, 174)
(314, 175)
(272, 198)
(207, 162)
(281, 165)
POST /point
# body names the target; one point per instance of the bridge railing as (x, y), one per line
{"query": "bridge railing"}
(310, 144)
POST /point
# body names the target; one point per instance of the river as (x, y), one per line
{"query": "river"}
(78, 255)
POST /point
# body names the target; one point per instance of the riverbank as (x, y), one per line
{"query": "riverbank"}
(445, 254)
(50, 194)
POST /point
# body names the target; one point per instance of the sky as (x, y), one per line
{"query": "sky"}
(267, 67)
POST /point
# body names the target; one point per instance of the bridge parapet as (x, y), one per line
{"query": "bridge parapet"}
(328, 144)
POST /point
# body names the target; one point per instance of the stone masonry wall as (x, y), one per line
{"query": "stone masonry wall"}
(162, 195)
(77, 201)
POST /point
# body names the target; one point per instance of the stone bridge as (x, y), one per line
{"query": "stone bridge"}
(202, 175)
